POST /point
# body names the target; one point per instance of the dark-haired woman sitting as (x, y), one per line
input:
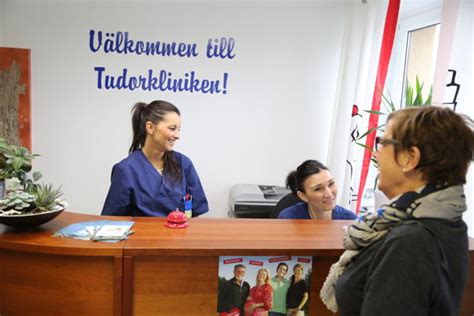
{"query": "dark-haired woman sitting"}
(313, 183)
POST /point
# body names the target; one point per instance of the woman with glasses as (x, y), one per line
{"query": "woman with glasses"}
(380, 142)
(411, 256)
(314, 184)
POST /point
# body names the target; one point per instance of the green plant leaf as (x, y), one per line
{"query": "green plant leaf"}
(36, 176)
(380, 127)
(430, 95)
(408, 95)
(418, 86)
(365, 146)
(419, 95)
(17, 163)
(3, 145)
(388, 101)
(375, 112)
(367, 133)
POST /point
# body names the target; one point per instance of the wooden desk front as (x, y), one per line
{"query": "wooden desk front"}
(45, 275)
(174, 271)
(157, 271)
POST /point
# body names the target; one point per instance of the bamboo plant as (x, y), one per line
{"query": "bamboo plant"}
(413, 97)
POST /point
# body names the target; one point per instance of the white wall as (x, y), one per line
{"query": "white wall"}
(461, 60)
(2, 18)
(276, 113)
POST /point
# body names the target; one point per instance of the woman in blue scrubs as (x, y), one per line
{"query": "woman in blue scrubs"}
(154, 179)
(314, 185)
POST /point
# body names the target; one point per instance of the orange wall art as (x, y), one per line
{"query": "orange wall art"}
(15, 108)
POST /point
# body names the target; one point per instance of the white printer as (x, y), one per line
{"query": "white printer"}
(253, 200)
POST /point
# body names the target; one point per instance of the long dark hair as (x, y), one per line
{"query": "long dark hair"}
(295, 179)
(154, 112)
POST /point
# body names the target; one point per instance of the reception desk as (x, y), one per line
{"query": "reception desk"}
(158, 270)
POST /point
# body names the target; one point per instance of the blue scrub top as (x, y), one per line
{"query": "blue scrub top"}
(138, 189)
(300, 211)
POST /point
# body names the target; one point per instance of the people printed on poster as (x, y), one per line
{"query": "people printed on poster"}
(259, 285)
(260, 298)
(298, 293)
(280, 285)
(233, 293)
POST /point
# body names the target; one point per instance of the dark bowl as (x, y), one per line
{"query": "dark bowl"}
(28, 220)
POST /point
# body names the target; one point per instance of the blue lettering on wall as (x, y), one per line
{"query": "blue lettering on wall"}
(162, 81)
(120, 43)
(222, 48)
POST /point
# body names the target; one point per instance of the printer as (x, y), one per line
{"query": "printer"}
(253, 200)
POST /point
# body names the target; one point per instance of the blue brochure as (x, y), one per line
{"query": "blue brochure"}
(109, 231)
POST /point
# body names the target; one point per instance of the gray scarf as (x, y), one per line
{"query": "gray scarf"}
(429, 202)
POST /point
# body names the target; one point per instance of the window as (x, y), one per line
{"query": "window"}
(420, 58)
(415, 48)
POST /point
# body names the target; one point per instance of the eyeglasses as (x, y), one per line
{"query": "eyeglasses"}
(379, 141)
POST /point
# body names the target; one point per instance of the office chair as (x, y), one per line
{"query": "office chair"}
(286, 201)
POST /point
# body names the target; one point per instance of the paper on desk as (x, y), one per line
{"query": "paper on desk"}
(109, 231)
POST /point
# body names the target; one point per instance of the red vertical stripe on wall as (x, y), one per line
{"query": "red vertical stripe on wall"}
(384, 61)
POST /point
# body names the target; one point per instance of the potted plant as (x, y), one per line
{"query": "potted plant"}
(413, 97)
(25, 202)
(15, 163)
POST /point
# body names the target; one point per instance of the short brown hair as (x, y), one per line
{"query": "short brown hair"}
(444, 138)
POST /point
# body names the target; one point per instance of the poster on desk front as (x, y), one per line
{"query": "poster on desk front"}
(258, 285)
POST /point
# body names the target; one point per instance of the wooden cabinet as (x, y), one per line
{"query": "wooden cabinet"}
(174, 271)
(45, 275)
(158, 270)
